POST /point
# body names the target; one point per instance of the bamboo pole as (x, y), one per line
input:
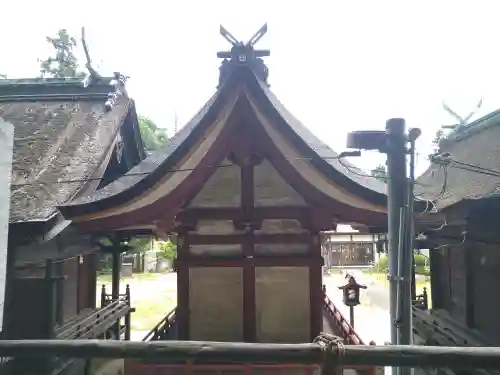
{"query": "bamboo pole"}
(240, 353)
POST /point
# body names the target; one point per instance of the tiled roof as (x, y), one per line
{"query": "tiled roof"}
(478, 145)
(62, 131)
(154, 166)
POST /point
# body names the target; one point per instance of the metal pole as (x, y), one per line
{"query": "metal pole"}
(397, 197)
(414, 133)
(351, 315)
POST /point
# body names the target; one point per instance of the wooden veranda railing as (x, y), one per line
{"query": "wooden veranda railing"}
(329, 355)
(98, 322)
(163, 330)
(340, 323)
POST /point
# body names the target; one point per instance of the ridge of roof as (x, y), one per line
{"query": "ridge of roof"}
(54, 89)
(482, 123)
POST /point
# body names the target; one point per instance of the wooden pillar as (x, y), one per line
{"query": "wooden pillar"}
(435, 263)
(115, 274)
(183, 286)
(469, 284)
(51, 313)
(247, 205)
(115, 280)
(315, 286)
(9, 313)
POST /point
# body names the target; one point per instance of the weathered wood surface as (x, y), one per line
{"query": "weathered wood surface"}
(213, 352)
(438, 328)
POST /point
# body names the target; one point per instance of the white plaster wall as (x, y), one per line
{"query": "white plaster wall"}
(6, 146)
(281, 249)
(281, 226)
(216, 304)
(351, 237)
(272, 190)
(215, 227)
(222, 189)
(215, 250)
(282, 302)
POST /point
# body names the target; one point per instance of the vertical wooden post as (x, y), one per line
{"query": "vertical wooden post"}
(51, 303)
(436, 267)
(115, 280)
(183, 286)
(469, 284)
(127, 317)
(115, 276)
(103, 296)
(59, 292)
(79, 285)
(247, 204)
(316, 299)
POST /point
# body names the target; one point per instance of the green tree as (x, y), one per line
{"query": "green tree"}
(379, 172)
(168, 250)
(153, 137)
(64, 63)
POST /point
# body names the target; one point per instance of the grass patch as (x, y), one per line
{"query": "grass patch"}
(149, 312)
(106, 278)
(151, 297)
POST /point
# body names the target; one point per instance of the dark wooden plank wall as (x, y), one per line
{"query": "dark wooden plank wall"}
(87, 282)
(75, 292)
(440, 278)
(457, 282)
(486, 281)
(69, 269)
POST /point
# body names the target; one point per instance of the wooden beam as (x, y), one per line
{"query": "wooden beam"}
(236, 213)
(228, 239)
(257, 261)
(242, 353)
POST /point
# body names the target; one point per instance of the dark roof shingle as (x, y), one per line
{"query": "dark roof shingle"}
(61, 133)
(478, 144)
(145, 171)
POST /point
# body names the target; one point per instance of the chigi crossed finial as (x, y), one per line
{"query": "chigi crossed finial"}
(244, 54)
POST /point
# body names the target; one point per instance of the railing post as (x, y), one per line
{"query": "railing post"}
(103, 296)
(127, 317)
(425, 299)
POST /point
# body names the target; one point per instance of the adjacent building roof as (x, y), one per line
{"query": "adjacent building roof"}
(63, 131)
(246, 89)
(474, 168)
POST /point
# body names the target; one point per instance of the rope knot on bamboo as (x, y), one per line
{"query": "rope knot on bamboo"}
(333, 351)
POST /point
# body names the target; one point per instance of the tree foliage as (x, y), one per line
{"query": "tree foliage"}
(379, 172)
(64, 62)
(168, 250)
(153, 137)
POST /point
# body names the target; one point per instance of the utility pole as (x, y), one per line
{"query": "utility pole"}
(397, 199)
(393, 142)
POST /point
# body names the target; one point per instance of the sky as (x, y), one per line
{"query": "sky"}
(338, 66)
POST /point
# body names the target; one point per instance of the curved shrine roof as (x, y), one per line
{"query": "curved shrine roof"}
(242, 87)
(146, 173)
(62, 131)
